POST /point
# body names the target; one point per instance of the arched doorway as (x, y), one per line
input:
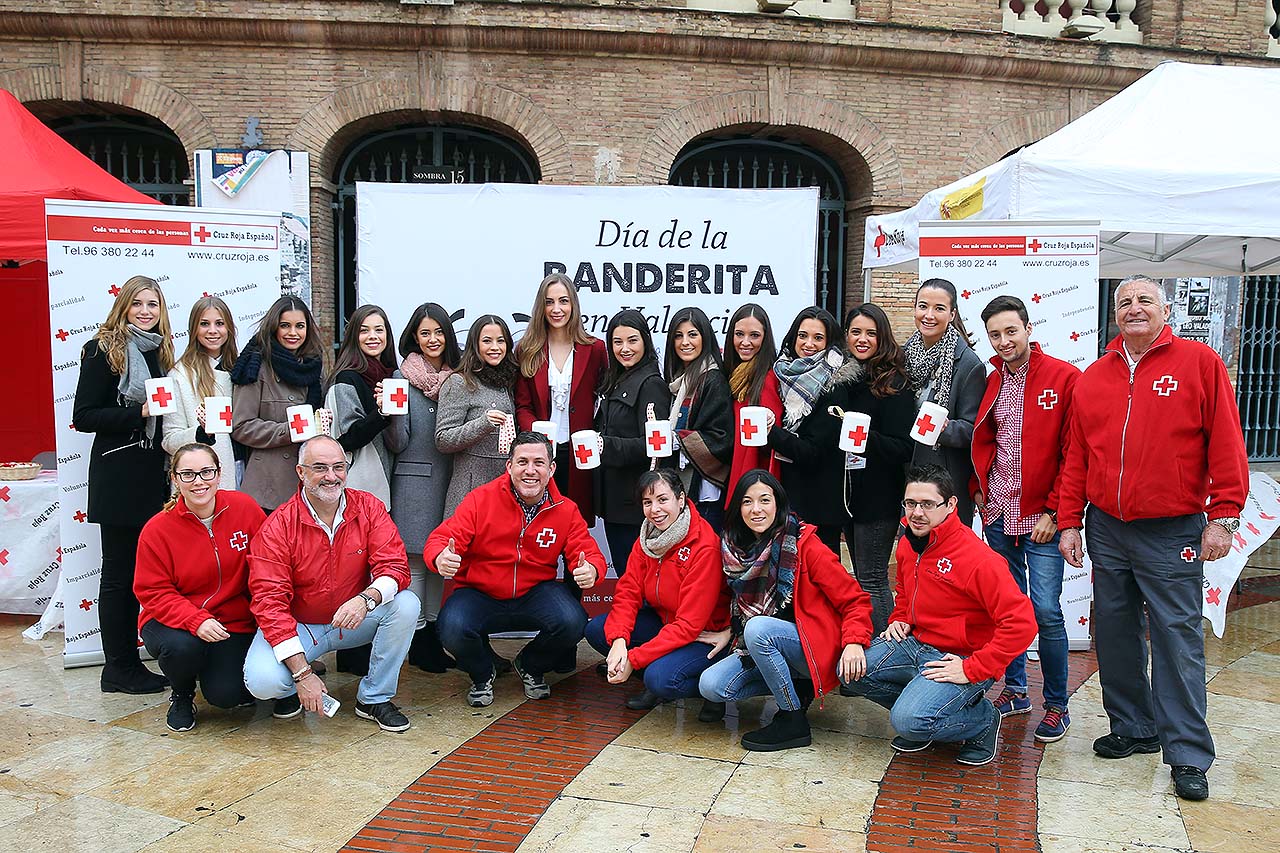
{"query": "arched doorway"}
(137, 149)
(425, 153)
(763, 163)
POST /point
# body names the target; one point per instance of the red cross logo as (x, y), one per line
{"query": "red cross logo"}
(299, 424)
(925, 425)
(1165, 385)
(1083, 620)
(4, 557)
(80, 516)
(4, 494)
(206, 294)
(657, 440)
(1213, 596)
(1048, 399)
(748, 430)
(203, 234)
(683, 554)
(546, 537)
(1035, 245)
(85, 604)
(583, 453)
(162, 397)
(858, 435)
(114, 290)
(239, 540)
(944, 565)
(965, 293)
(225, 415)
(399, 397)
(1075, 336)
(881, 239)
(1188, 554)
(1036, 298)
(62, 335)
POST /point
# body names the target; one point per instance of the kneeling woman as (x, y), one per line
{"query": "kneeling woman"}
(796, 614)
(661, 627)
(192, 580)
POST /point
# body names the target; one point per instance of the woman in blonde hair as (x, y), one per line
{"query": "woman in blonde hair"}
(126, 466)
(203, 371)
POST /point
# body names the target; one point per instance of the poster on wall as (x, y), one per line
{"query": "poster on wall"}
(93, 248)
(1053, 268)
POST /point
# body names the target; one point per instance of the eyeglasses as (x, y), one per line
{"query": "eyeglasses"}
(204, 474)
(321, 469)
(927, 506)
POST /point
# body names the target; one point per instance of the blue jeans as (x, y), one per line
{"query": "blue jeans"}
(774, 646)
(469, 617)
(388, 626)
(920, 709)
(1044, 565)
(672, 676)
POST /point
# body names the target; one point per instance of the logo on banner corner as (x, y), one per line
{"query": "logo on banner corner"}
(896, 237)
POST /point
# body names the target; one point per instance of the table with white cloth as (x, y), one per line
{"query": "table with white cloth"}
(29, 561)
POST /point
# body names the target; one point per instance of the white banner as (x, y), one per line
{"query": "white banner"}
(93, 248)
(1053, 268)
(29, 544)
(1258, 521)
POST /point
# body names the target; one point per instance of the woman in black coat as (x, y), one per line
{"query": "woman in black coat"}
(127, 482)
(630, 385)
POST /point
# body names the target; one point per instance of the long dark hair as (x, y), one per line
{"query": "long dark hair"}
(409, 337)
(475, 370)
(709, 357)
(266, 334)
(762, 362)
(349, 356)
(886, 370)
(736, 532)
(613, 373)
(813, 312)
(950, 289)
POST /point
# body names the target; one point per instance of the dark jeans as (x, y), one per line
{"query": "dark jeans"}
(672, 676)
(117, 605)
(870, 544)
(621, 538)
(186, 659)
(469, 616)
(713, 513)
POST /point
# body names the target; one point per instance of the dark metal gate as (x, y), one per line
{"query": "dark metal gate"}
(143, 154)
(412, 155)
(1258, 380)
(767, 164)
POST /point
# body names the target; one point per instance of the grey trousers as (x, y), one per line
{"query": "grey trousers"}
(1136, 563)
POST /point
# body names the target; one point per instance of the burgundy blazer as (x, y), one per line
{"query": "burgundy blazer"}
(533, 403)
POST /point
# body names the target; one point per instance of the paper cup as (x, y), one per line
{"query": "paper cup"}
(395, 397)
(929, 423)
(657, 439)
(854, 430)
(585, 446)
(301, 421)
(217, 415)
(753, 426)
(160, 399)
(547, 428)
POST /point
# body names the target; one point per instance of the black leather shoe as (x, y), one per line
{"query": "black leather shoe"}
(712, 712)
(645, 701)
(136, 681)
(1190, 782)
(1119, 746)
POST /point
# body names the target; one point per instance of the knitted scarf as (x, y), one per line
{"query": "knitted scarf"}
(763, 577)
(288, 368)
(423, 376)
(740, 381)
(801, 381)
(656, 543)
(681, 398)
(375, 371)
(935, 363)
(133, 378)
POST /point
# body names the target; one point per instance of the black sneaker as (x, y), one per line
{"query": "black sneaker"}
(902, 744)
(1190, 782)
(385, 714)
(287, 707)
(1120, 746)
(535, 686)
(980, 750)
(182, 712)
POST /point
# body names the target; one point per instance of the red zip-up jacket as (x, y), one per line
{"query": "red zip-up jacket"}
(297, 576)
(501, 555)
(686, 587)
(186, 573)
(959, 597)
(1146, 446)
(1046, 409)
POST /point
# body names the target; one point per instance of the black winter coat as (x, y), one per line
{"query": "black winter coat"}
(874, 493)
(620, 422)
(707, 439)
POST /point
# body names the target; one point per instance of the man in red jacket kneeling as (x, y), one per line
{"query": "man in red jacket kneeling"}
(501, 547)
(958, 621)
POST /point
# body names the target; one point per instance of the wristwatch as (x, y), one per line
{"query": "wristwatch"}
(1231, 525)
(369, 603)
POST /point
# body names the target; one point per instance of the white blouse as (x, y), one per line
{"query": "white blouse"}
(561, 382)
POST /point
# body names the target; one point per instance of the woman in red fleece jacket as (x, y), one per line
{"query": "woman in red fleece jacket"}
(192, 581)
(796, 614)
(672, 595)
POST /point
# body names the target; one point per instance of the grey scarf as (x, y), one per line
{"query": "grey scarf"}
(133, 378)
(657, 542)
(936, 364)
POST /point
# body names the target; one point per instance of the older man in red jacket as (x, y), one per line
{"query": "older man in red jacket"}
(328, 571)
(1156, 448)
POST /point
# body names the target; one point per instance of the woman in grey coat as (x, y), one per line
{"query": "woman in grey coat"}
(943, 369)
(474, 403)
(422, 471)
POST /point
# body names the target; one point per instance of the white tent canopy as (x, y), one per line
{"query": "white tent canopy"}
(1181, 168)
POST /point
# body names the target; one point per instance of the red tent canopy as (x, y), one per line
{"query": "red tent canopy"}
(35, 164)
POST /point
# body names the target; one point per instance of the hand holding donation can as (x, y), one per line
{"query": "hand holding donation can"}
(395, 397)
(657, 439)
(217, 415)
(160, 396)
(301, 423)
(547, 428)
(929, 423)
(585, 447)
(855, 429)
(753, 426)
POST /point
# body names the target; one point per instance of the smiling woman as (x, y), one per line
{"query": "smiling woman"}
(204, 371)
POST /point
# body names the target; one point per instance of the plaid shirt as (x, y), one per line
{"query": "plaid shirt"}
(1004, 483)
(531, 511)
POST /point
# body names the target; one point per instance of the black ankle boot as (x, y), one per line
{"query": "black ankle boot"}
(136, 680)
(426, 653)
(805, 692)
(644, 701)
(355, 660)
(712, 712)
(788, 730)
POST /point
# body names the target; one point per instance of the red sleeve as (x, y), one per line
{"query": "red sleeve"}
(271, 581)
(460, 527)
(580, 541)
(156, 586)
(1071, 479)
(386, 552)
(699, 593)
(905, 581)
(829, 575)
(524, 403)
(1009, 608)
(627, 596)
(1064, 440)
(1227, 458)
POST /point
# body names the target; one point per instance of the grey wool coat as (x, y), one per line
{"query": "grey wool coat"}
(463, 430)
(420, 478)
(258, 412)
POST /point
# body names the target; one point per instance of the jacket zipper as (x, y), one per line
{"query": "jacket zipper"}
(1133, 374)
(216, 556)
(808, 649)
(515, 567)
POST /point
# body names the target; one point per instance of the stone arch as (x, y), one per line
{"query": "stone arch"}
(1011, 134)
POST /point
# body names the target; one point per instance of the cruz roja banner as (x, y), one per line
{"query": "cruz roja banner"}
(93, 249)
(483, 249)
(1053, 268)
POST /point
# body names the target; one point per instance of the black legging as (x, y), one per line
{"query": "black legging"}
(186, 659)
(117, 605)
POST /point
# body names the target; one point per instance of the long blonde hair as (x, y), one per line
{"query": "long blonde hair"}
(194, 361)
(191, 447)
(113, 334)
(533, 344)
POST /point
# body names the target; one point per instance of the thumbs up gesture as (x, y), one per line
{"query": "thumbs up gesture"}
(447, 561)
(584, 574)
